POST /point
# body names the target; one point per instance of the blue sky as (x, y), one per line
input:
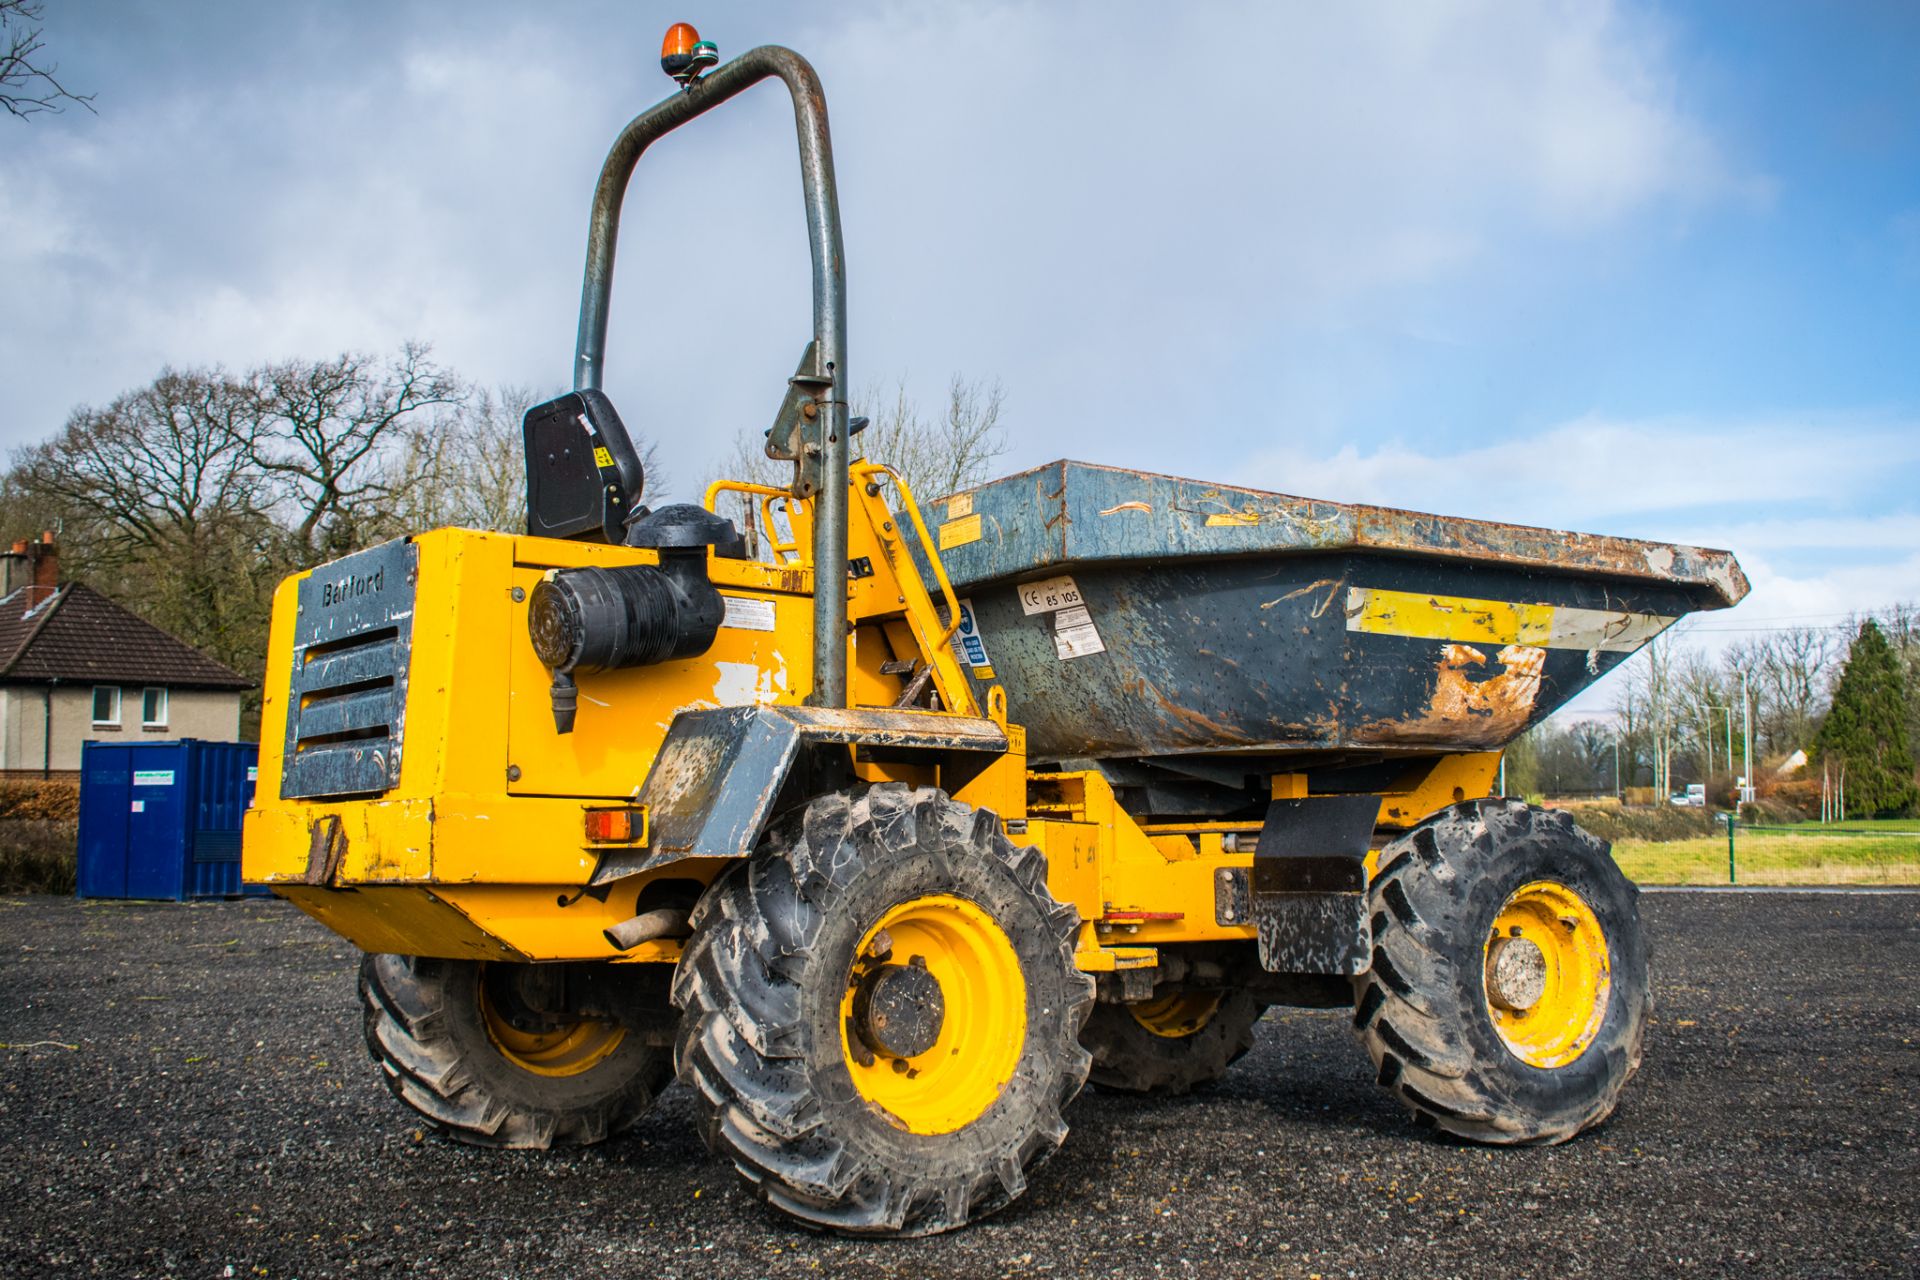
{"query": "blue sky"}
(1650, 269)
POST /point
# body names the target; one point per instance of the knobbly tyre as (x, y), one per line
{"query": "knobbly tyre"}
(644, 793)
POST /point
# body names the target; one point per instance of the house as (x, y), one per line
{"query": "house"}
(76, 666)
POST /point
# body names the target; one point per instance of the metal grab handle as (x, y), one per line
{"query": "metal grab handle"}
(926, 540)
(829, 307)
(768, 495)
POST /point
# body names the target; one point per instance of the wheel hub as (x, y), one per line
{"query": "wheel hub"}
(900, 1009)
(539, 1040)
(1548, 974)
(933, 1041)
(1516, 973)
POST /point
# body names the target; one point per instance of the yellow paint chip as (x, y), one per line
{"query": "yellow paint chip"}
(1425, 616)
(1233, 520)
(958, 533)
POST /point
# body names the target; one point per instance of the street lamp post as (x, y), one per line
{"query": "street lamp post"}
(1746, 742)
(1710, 710)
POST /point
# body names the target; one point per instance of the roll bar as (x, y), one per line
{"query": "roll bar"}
(827, 434)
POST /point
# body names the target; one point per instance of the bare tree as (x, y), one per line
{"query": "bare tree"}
(1645, 710)
(328, 430)
(940, 455)
(160, 504)
(936, 455)
(27, 87)
(1789, 676)
(468, 468)
(157, 463)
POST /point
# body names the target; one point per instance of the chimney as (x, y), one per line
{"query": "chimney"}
(45, 556)
(32, 566)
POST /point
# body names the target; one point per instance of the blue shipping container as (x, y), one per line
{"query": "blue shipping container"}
(162, 819)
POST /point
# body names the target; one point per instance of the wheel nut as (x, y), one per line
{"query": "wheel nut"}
(1516, 974)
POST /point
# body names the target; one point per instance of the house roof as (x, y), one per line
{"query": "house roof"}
(79, 636)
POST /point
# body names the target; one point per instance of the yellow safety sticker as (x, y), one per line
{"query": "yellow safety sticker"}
(1424, 616)
(1233, 519)
(958, 533)
(960, 504)
(601, 458)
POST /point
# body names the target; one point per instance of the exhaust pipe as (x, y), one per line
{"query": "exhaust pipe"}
(659, 922)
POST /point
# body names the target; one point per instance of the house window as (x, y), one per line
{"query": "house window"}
(153, 708)
(106, 704)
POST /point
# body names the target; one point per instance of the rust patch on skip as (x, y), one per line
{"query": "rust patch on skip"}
(1466, 712)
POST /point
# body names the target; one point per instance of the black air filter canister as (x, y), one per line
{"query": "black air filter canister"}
(607, 619)
(635, 616)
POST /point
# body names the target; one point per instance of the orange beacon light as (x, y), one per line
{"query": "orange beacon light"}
(684, 55)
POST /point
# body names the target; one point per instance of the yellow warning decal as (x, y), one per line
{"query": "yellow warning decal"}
(1232, 519)
(1424, 616)
(958, 533)
(601, 458)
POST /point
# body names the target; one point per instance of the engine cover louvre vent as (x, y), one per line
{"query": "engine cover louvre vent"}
(347, 700)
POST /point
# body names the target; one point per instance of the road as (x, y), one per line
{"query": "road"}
(184, 1091)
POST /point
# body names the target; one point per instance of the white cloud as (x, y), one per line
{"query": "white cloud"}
(1085, 200)
(1811, 508)
(1614, 473)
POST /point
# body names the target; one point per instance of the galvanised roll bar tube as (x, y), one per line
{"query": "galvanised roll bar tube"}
(829, 309)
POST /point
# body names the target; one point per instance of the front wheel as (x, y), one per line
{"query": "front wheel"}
(1507, 1000)
(881, 1013)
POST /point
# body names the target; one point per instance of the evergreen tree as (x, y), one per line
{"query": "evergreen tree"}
(1866, 730)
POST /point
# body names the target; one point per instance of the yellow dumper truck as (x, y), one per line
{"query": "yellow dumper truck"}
(883, 827)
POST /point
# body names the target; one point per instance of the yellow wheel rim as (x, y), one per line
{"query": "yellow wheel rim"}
(983, 1028)
(1547, 974)
(1179, 1015)
(564, 1051)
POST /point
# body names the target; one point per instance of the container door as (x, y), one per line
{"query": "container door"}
(157, 822)
(105, 778)
(219, 791)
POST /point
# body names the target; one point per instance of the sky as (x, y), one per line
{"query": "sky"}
(1649, 269)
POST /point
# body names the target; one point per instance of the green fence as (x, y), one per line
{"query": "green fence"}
(1879, 832)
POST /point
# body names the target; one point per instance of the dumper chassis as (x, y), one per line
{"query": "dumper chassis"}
(885, 835)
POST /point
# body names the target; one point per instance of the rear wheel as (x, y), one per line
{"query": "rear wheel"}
(1171, 1044)
(881, 1013)
(459, 1042)
(1507, 1001)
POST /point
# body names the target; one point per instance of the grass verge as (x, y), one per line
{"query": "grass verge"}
(1774, 859)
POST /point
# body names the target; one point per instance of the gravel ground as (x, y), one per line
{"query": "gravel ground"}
(184, 1093)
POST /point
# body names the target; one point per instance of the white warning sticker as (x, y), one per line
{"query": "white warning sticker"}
(1074, 635)
(1049, 594)
(139, 806)
(967, 636)
(744, 614)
